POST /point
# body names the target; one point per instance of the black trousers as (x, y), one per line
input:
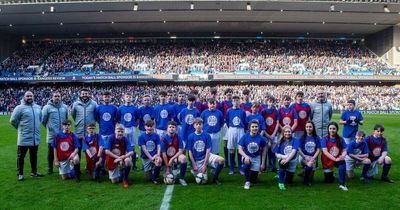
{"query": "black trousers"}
(22, 150)
(50, 156)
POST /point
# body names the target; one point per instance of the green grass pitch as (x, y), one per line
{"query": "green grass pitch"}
(50, 192)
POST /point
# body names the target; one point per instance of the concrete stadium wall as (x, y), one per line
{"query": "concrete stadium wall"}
(8, 45)
(386, 44)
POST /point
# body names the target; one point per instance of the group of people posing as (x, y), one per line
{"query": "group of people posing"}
(255, 133)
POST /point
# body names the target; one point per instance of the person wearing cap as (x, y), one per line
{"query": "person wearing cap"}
(66, 147)
(213, 121)
(26, 118)
(186, 118)
(303, 110)
(350, 118)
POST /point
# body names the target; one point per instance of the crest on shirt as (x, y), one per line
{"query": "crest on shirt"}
(288, 149)
(286, 120)
(189, 119)
(150, 146)
(334, 151)
(269, 121)
(212, 120)
(127, 117)
(171, 151)
(64, 146)
(106, 116)
(236, 121)
(116, 151)
(376, 152)
(253, 147)
(199, 146)
(303, 114)
(310, 147)
(164, 114)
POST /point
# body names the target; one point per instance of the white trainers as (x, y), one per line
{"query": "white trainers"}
(343, 187)
(247, 185)
(183, 182)
(20, 177)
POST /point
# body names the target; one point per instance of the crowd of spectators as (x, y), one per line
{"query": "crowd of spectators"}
(321, 57)
(367, 97)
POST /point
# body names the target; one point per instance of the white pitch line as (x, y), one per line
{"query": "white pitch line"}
(167, 197)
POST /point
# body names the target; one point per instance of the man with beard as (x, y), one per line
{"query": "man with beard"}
(321, 113)
(83, 113)
(53, 114)
(26, 118)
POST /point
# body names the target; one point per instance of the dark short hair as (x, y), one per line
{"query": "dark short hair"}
(172, 123)
(300, 93)
(84, 90)
(106, 93)
(149, 123)
(351, 101)
(91, 125)
(213, 90)
(379, 127)
(229, 90)
(286, 97)
(246, 92)
(66, 122)
(162, 93)
(191, 98)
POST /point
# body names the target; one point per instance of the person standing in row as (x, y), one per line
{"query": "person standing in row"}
(26, 118)
(53, 114)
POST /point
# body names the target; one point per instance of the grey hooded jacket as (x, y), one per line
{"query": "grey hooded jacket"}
(52, 117)
(26, 118)
(321, 115)
(83, 114)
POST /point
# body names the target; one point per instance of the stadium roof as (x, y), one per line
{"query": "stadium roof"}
(35, 18)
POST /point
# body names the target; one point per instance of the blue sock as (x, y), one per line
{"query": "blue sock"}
(246, 168)
(342, 174)
(218, 170)
(365, 169)
(239, 157)
(182, 170)
(156, 173)
(126, 169)
(226, 155)
(282, 173)
(232, 161)
(386, 169)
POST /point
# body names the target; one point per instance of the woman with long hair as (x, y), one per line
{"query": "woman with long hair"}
(333, 153)
(309, 151)
(286, 152)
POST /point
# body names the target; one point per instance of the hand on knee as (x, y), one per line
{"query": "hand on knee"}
(388, 160)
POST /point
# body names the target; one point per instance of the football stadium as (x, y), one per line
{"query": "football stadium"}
(182, 104)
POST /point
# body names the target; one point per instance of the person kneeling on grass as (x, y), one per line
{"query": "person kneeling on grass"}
(357, 152)
(309, 151)
(149, 143)
(251, 146)
(286, 152)
(334, 149)
(66, 147)
(92, 146)
(172, 152)
(118, 156)
(378, 151)
(199, 147)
